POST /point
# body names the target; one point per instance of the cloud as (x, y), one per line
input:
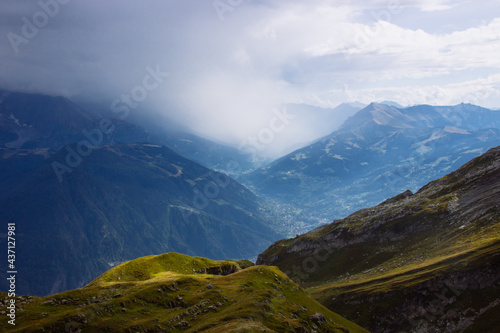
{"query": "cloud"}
(227, 76)
(459, 50)
(433, 5)
(478, 91)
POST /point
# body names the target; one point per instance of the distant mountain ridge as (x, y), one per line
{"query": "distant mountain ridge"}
(41, 121)
(34, 127)
(377, 153)
(469, 116)
(465, 116)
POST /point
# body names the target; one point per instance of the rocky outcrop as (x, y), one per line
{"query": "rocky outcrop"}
(220, 270)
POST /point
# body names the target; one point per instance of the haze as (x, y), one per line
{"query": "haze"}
(231, 64)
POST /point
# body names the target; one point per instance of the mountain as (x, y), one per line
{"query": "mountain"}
(177, 293)
(377, 153)
(392, 103)
(312, 122)
(39, 121)
(423, 262)
(470, 117)
(34, 127)
(29, 121)
(79, 215)
(208, 153)
(303, 125)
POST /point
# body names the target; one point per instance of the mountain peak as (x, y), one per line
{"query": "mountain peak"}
(381, 115)
(392, 103)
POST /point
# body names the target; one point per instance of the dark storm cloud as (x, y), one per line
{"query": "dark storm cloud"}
(102, 45)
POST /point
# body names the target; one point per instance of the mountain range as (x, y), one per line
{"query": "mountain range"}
(82, 189)
(124, 201)
(423, 262)
(89, 192)
(34, 127)
(377, 153)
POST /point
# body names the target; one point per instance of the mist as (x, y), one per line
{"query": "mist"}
(224, 68)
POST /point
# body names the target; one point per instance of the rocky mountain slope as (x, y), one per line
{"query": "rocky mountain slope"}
(123, 201)
(379, 152)
(177, 293)
(423, 262)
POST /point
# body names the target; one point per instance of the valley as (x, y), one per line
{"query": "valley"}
(87, 203)
(377, 153)
(250, 166)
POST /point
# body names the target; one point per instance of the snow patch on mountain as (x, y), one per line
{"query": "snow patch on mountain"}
(439, 160)
(478, 151)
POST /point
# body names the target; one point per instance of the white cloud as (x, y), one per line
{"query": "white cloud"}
(460, 50)
(434, 5)
(483, 91)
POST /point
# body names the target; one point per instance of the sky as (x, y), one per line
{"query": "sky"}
(223, 67)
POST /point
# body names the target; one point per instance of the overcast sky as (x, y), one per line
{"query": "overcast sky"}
(230, 61)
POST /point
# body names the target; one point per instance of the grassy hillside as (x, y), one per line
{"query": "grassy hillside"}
(178, 293)
(428, 261)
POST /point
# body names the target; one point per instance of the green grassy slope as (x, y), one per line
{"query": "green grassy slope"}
(394, 266)
(174, 293)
